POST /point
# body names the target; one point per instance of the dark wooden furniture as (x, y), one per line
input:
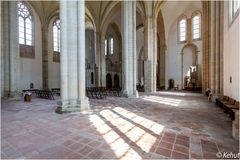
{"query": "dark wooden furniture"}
(45, 94)
(102, 92)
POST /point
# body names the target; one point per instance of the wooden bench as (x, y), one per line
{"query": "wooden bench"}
(227, 103)
(220, 101)
(231, 108)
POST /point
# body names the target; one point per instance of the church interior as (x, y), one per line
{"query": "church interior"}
(120, 79)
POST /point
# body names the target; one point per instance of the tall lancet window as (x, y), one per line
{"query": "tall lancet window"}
(56, 36)
(182, 29)
(105, 47)
(196, 26)
(111, 45)
(25, 25)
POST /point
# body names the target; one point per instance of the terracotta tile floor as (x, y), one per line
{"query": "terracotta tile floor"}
(160, 125)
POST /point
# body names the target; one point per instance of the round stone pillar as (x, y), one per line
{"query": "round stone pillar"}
(129, 49)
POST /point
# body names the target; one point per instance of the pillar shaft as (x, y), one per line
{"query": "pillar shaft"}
(81, 50)
(206, 35)
(102, 60)
(150, 63)
(216, 48)
(1, 53)
(72, 57)
(45, 55)
(97, 59)
(129, 48)
(64, 50)
(10, 50)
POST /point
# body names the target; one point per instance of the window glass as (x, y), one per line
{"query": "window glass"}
(56, 36)
(196, 27)
(105, 47)
(111, 45)
(24, 25)
(182, 30)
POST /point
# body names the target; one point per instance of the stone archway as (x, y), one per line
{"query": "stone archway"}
(116, 81)
(109, 80)
(113, 62)
(189, 66)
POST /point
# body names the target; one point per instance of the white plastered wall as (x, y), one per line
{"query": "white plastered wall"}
(231, 56)
(173, 52)
(31, 69)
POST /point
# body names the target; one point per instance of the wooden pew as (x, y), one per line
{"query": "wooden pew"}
(231, 108)
(227, 103)
(222, 100)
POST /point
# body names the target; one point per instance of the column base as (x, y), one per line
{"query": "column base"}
(128, 95)
(148, 90)
(69, 106)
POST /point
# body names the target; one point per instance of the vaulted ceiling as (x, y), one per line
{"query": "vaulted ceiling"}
(45, 9)
(98, 11)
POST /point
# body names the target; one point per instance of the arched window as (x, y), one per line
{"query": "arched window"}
(196, 26)
(105, 47)
(24, 25)
(234, 6)
(182, 29)
(56, 36)
(111, 45)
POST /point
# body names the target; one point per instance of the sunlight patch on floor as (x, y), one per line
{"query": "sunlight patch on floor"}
(120, 148)
(120, 128)
(147, 123)
(174, 93)
(163, 100)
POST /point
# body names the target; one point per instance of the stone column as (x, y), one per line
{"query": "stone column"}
(150, 46)
(182, 81)
(206, 41)
(161, 65)
(154, 58)
(213, 49)
(72, 57)
(45, 55)
(97, 59)
(82, 99)
(102, 61)
(216, 48)
(129, 49)
(10, 49)
(221, 15)
(2, 50)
